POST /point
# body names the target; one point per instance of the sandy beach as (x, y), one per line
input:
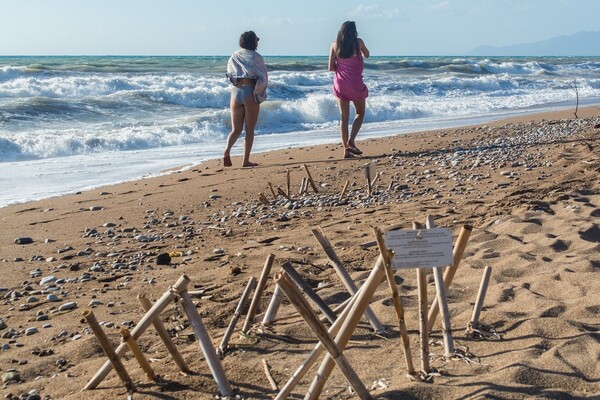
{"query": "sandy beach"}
(529, 188)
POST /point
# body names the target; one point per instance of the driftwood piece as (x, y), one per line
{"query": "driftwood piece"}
(236, 315)
(164, 335)
(295, 297)
(141, 327)
(344, 276)
(269, 376)
(457, 253)
(264, 276)
(343, 193)
(387, 258)
(137, 353)
(113, 358)
(206, 345)
(348, 327)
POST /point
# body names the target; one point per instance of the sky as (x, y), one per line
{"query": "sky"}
(304, 27)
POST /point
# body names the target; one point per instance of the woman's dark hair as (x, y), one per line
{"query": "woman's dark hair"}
(249, 40)
(347, 40)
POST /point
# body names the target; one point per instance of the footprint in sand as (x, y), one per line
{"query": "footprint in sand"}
(560, 245)
(592, 234)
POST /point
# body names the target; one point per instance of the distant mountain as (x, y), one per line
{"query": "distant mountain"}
(578, 44)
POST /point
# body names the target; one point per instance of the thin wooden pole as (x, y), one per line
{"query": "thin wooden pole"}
(443, 301)
(348, 327)
(457, 253)
(423, 332)
(315, 353)
(272, 190)
(319, 330)
(137, 353)
(263, 199)
(269, 376)
(310, 179)
(344, 276)
(273, 307)
(387, 258)
(113, 357)
(206, 345)
(264, 276)
(368, 176)
(289, 192)
(164, 335)
(343, 193)
(236, 315)
(306, 289)
(485, 280)
(141, 327)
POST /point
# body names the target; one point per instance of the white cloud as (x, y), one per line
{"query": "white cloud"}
(373, 12)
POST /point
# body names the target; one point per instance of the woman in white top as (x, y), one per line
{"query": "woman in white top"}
(247, 72)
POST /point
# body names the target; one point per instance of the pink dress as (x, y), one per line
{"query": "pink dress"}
(348, 81)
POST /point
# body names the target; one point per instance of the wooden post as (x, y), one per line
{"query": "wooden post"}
(387, 258)
(141, 327)
(443, 301)
(113, 357)
(368, 176)
(306, 289)
(423, 332)
(459, 248)
(206, 345)
(273, 307)
(263, 199)
(324, 337)
(348, 327)
(374, 181)
(258, 293)
(139, 356)
(268, 374)
(289, 192)
(315, 353)
(236, 315)
(272, 190)
(164, 335)
(485, 280)
(344, 190)
(344, 276)
(310, 179)
(281, 192)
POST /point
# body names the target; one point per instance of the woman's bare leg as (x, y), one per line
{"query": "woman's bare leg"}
(344, 117)
(237, 124)
(252, 110)
(360, 108)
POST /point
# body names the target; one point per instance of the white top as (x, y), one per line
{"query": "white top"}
(245, 63)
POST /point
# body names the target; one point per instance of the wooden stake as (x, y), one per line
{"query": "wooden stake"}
(326, 340)
(368, 176)
(459, 248)
(344, 276)
(315, 353)
(348, 327)
(139, 356)
(423, 332)
(269, 376)
(281, 192)
(263, 199)
(387, 258)
(164, 335)
(141, 327)
(236, 315)
(206, 345)
(113, 358)
(310, 179)
(374, 181)
(272, 190)
(443, 301)
(307, 290)
(258, 293)
(273, 307)
(485, 280)
(289, 192)
(344, 190)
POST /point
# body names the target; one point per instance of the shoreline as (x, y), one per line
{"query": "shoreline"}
(529, 186)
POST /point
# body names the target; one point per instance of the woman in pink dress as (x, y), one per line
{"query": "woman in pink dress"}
(346, 60)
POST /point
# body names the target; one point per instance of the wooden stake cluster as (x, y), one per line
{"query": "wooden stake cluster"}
(152, 317)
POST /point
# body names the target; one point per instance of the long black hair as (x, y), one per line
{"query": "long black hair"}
(249, 40)
(347, 40)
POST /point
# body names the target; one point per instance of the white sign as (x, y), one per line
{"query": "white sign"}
(421, 248)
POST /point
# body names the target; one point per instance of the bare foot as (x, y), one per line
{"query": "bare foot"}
(227, 161)
(349, 154)
(354, 150)
(250, 164)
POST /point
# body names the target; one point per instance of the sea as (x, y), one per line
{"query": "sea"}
(74, 123)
